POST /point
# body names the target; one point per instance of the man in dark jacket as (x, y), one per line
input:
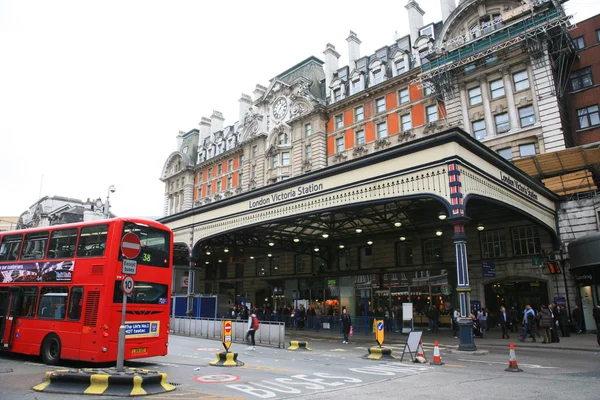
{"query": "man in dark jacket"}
(577, 315)
(596, 314)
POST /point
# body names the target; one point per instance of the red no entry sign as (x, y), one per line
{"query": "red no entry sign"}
(131, 245)
(228, 327)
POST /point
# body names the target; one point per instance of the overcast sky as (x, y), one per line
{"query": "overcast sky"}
(93, 93)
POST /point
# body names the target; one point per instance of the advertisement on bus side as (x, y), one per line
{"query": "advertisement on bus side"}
(58, 271)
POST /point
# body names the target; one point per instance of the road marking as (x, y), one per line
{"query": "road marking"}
(501, 362)
(191, 394)
(266, 368)
(217, 378)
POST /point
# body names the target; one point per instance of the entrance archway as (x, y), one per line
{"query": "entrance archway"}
(516, 292)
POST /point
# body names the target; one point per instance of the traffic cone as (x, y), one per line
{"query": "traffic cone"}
(420, 358)
(437, 359)
(512, 362)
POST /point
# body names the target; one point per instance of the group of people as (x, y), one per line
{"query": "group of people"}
(547, 322)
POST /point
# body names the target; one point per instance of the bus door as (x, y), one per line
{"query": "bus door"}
(11, 305)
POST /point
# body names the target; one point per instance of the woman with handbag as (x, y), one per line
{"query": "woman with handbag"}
(346, 324)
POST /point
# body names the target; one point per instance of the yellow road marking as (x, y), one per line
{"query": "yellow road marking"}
(266, 368)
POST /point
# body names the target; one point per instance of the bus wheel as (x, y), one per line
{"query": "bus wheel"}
(51, 349)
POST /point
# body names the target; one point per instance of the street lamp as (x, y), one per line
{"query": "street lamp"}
(111, 189)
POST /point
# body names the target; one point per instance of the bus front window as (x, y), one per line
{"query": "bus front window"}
(155, 251)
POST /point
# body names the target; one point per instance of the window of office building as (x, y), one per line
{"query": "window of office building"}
(339, 145)
(475, 96)
(493, 244)
(380, 104)
(382, 130)
(432, 113)
(506, 153)
(404, 96)
(339, 121)
(307, 129)
(406, 122)
(581, 79)
(502, 123)
(359, 113)
(497, 88)
(521, 81)
(588, 117)
(526, 116)
(579, 42)
(360, 137)
(526, 150)
(526, 240)
(479, 129)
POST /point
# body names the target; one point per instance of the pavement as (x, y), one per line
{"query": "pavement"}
(575, 342)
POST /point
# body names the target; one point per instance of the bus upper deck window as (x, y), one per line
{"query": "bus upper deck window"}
(92, 241)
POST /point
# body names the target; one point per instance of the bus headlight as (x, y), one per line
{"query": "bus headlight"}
(104, 349)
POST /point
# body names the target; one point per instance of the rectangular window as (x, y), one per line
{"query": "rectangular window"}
(502, 123)
(404, 96)
(360, 137)
(275, 264)
(427, 88)
(143, 293)
(526, 240)
(581, 79)
(598, 35)
(339, 145)
(382, 130)
(229, 165)
(377, 76)
(92, 241)
(75, 304)
(285, 158)
(506, 153)
(29, 296)
(493, 244)
(283, 139)
(62, 243)
(588, 117)
(521, 81)
(301, 263)
(406, 122)
(308, 152)
(432, 113)
(11, 246)
(359, 114)
(432, 251)
(219, 185)
(527, 150)
(469, 69)
(428, 31)
(356, 87)
(497, 88)
(219, 169)
(400, 67)
(229, 182)
(479, 129)
(275, 161)
(53, 302)
(308, 129)
(210, 173)
(579, 42)
(526, 116)
(404, 254)
(34, 246)
(254, 151)
(261, 268)
(380, 105)
(339, 121)
(337, 94)
(475, 96)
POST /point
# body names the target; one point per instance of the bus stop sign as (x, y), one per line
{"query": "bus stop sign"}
(131, 245)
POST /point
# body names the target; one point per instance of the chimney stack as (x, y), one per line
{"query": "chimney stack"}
(216, 122)
(415, 20)
(353, 49)
(259, 91)
(204, 128)
(245, 104)
(447, 7)
(331, 66)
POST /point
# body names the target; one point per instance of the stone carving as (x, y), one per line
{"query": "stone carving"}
(297, 109)
(338, 157)
(433, 126)
(499, 109)
(381, 143)
(406, 136)
(523, 101)
(359, 150)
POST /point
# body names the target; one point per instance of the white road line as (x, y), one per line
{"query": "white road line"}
(501, 362)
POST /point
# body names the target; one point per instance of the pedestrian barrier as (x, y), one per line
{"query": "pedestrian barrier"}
(512, 362)
(107, 382)
(380, 353)
(437, 359)
(296, 345)
(227, 359)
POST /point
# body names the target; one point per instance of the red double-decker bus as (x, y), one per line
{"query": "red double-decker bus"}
(61, 294)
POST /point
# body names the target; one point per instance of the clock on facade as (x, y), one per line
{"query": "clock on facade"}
(280, 108)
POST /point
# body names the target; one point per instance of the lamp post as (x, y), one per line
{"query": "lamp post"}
(111, 189)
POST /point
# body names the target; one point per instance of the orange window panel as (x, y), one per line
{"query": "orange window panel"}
(213, 188)
(349, 139)
(330, 145)
(224, 183)
(205, 175)
(235, 180)
(415, 92)
(348, 117)
(330, 125)
(391, 101)
(225, 167)
(204, 189)
(195, 194)
(392, 121)
(197, 177)
(442, 110)
(418, 114)
(214, 170)
(369, 132)
(236, 163)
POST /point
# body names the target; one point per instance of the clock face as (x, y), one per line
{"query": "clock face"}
(280, 108)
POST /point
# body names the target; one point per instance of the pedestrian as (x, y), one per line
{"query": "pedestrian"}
(554, 328)
(435, 316)
(346, 322)
(252, 328)
(301, 317)
(577, 315)
(596, 314)
(513, 317)
(482, 317)
(504, 322)
(563, 321)
(545, 321)
(528, 317)
(455, 317)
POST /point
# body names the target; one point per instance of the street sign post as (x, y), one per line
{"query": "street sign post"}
(226, 334)
(131, 245)
(127, 287)
(379, 331)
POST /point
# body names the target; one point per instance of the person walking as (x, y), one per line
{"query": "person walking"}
(504, 322)
(301, 317)
(545, 320)
(596, 314)
(455, 317)
(482, 316)
(346, 322)
(563, 321)
(555, 338)
(252, 328)
(513, 317)
(528, 316)
(577, 316)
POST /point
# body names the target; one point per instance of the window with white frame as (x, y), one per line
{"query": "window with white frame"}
(475, 96)
(308, 152)
(254, 151)
(404, 96)
(493, 244)
(382, 130)
(377, 76)
(210, 173)
(526, 240)
(356, 86)
(380, 104)
(254, 171)
(527, 116)
(219, 169)
(359, 113)
(432, 113)
(240, 178)
(285, 158)
(339, 145)
(360, 137)
(339, 121)
(307, 129)
(502, 123)
(283, 138)
(479, 129)
(275, 161)
(337, 94)
(579, 42)
(588, 117)
(427, 31)
(229, 182)
(506, 153)
(406, 122)
(521, 81)
(497, 88)
(400, 67)
(219, 185)
(229, 164)
(526, 150)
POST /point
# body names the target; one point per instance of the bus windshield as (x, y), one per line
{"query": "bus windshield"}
(155, 249)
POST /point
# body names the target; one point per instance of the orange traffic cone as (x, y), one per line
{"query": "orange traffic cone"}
(512, 362)
(420, 358)
(437, 359)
